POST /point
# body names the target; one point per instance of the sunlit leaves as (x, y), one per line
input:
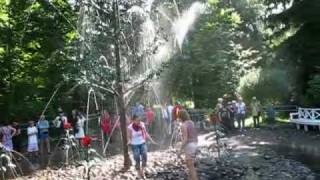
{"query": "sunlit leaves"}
(213, 2)
(230, 16)
(235, 18)
(35, 6)
(34, 45)
(4, 16)
(72, 36)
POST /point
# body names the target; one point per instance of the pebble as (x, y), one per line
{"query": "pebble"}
(165, 165)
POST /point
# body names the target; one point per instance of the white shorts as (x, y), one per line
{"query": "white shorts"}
(33, 148)
(190, 150)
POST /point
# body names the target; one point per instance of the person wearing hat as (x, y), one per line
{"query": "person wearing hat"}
(255, 110)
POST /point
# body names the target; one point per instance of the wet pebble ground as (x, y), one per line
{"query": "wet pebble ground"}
(238, 164)
(167, 165)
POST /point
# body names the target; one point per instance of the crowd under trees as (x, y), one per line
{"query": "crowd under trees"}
(267, 49)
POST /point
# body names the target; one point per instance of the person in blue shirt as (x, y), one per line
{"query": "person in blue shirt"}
(43, 126)
(138, 110)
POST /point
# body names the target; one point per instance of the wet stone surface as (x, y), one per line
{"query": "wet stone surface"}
(166, 165)
(242, 163)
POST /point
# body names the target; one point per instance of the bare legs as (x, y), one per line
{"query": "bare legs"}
(42, 142)
(48, 145)
(192, 170)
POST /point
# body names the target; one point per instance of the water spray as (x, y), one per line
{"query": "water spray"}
(88, 107)
(52, 96)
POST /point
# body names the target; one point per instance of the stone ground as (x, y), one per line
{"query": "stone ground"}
(247, 156)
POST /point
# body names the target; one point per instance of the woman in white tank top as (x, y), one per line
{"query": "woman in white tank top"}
(137, 136)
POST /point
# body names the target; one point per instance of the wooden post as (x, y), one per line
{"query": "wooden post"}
(306, 128)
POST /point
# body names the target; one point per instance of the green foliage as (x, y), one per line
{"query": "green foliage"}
(313, 92)
(33, 35)
(225, 45)
(295, 36)
(268, 84)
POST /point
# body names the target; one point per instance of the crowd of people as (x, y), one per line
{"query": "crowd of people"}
(36, 134)
(140, 121)
(229, 113)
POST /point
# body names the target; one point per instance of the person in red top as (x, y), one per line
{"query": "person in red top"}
(106, 125)
(175, 112)
(150, 116)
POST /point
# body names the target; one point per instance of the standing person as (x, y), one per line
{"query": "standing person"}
(241, 113)
(16, 139)
(106, 126)
(225, 116)
(234, 110)
(175, 117)
(189, 142)
(271, 113)
(33, 148)
(138, 110)
(165, 118)
(231, 112)
(219, 109)
(169, 109)
(7, 133)
(175, 111)
(59, 122)
(43, 126)
(79, 127)
(137, 137)
(73, 119)
(150, 116)
(255, 111)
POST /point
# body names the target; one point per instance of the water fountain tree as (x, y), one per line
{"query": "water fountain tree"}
(125, 44)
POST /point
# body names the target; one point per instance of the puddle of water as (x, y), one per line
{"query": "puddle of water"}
(309, 155)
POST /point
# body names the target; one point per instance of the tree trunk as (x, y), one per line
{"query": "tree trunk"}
(120, 97)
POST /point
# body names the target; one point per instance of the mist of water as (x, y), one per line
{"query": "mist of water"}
(165, 34)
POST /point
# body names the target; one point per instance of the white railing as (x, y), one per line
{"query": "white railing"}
(306, 117)
(308, 113)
